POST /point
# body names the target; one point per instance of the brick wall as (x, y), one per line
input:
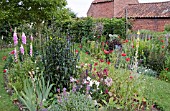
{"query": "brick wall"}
(101, 10)
(154, 24)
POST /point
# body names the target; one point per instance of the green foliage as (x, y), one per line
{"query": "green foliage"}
(74, 102)
(21, 71)
(114, 26)
(167, 27)
(92, 29)
(165, 75)
(32, 11)
(60, 61)
(35, 93)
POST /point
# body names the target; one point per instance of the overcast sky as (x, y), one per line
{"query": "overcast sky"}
(80, 7)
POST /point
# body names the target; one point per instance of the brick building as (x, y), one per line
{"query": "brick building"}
(150, 16)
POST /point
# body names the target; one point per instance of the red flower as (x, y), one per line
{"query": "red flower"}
(77, 51)
(106, 52)
(125, 41)
(101, 60)
(123, 54)
(162, 41)
(166, 69)
(131, 77)
(94, 69)
(127, 59)
(108, 62)
(163, 47)
(95, 64)
(87, 53)
(4, 71)
(133, 46)
(12, 52)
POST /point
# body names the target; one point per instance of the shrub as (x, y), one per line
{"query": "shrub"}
(167, 27)
(89, 27)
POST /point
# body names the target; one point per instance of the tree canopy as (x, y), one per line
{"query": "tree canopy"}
(32, 10)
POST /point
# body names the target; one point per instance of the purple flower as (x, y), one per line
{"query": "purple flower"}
(15, 38)
(74, 89)
(72, 79)
(22, 49)
(64, 91)
(31, 38)
(58, 90)
(23, 38)
(87, 89)
(31, 49)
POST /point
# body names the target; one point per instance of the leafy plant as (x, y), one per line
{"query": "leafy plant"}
(60, 61)
(35, 93)
(74, 101)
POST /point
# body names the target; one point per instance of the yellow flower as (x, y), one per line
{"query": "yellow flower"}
(138, 32)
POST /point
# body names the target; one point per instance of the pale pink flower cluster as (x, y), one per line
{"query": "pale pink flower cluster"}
(24, 40)
(15, 38)
(22, 49)
(108, 81)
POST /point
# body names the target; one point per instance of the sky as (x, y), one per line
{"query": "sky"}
(80, 7)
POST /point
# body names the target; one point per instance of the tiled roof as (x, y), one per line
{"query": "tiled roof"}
(99, 1)
(147, 10)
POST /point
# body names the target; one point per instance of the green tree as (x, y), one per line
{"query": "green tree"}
(34, 11)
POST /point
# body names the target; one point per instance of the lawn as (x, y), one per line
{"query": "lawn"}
(6, 103)
(159, 91)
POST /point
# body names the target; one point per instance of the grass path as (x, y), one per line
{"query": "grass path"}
(5, 102)
(159, 91)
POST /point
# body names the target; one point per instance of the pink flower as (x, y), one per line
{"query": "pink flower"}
(106, 91)
(31, 49)
(23, 38)
(106, 52)
(15, 38)
(31, 38)
(22, 49)
(108, 81)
